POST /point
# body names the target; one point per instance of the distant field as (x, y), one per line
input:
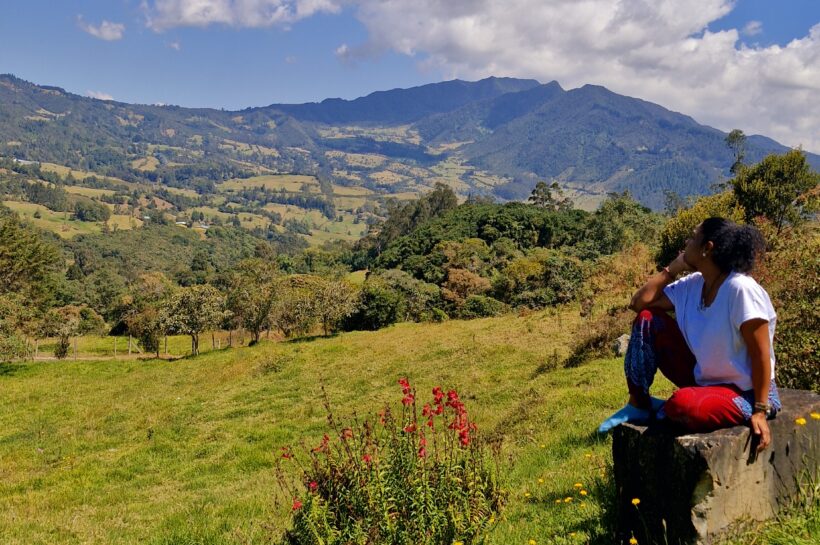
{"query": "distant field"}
(147, 164)
(88, 191)
(248, 149)
(288, 182)
(78, 174)
(248, 220)
(61, 222)
(181, 191)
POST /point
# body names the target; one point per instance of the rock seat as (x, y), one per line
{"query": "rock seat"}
(693, 487)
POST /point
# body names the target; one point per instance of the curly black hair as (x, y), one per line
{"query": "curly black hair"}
(736, 247)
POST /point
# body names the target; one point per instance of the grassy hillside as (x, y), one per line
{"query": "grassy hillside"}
(183, 451)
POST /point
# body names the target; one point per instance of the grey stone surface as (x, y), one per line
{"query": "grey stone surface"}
(620, 344)
(693, 487)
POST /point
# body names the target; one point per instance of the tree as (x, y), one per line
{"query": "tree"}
(27, 261)
(192, 311)
(252, 295)
(773, 188)
(16, 317)
(70, 321)
(295, 311)
(550, 197)
(335, 300)
(736, 141)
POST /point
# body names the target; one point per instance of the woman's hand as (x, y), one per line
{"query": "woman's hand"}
(760, 427)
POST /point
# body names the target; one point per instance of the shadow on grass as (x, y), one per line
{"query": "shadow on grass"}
(310, 339)
(10, 369)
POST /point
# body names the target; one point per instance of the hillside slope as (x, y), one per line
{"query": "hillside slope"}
(495, 136)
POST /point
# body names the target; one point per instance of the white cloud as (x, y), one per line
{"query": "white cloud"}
(99, 95)
(658, 50)
(176, 46)
(106, 30)
(165, 14)
(752, 28)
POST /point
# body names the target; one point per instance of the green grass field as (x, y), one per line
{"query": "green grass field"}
(288, 182)
(62, 223)
(182, 452)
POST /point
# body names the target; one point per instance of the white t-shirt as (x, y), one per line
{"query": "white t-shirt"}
(713, 333)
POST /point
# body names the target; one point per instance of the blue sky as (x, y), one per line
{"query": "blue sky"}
(237, 53)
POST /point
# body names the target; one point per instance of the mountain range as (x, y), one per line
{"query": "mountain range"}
(497, 136)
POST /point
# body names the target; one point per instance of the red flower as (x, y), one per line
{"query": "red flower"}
(367, 459)
(323, 445)
(286, 454)
(422, 452)
(313, 486)
(464, 437)
(430, 422)
(427, 410)
(405, 385)
(438, 394)
(410, 428)
(423, 441)
(408, 399)
(452, 395)
(439, 409)
(296, 505)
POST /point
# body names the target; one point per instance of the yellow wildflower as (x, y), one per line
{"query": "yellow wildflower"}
(542, 445)
(492, 519)
(526, 494)
(540, 481)
(583, 492)
(572, 534)
(587, 455)
(578, 485)
(567, 499)
(636, 501)
(815, 416)
(531, 542)
(800, 421)
(633, 541)
(557, 501)
(458, 543)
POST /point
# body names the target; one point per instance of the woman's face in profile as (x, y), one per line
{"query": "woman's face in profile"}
(692, 250)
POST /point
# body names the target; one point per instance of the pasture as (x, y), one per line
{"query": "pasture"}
(161, 452)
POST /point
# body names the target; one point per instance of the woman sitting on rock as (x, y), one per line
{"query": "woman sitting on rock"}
(717, 349)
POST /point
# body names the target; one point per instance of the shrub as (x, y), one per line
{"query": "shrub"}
(379, 306)
(791, 275)
(479, 306)
(405, 480)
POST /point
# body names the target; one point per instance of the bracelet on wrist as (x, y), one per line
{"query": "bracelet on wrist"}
(761, 407)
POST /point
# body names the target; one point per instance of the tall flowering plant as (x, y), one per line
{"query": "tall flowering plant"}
(418, 475)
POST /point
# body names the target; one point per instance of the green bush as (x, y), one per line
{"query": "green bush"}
(379, 306)
(791, 275)
(425, 480)
(479, 306)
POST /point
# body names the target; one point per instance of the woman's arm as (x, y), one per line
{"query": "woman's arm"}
(755, 334)
(651, 294)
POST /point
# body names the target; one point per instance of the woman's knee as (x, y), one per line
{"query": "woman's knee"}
(703, 409)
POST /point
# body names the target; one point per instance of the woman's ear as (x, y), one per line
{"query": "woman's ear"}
(708, 247)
